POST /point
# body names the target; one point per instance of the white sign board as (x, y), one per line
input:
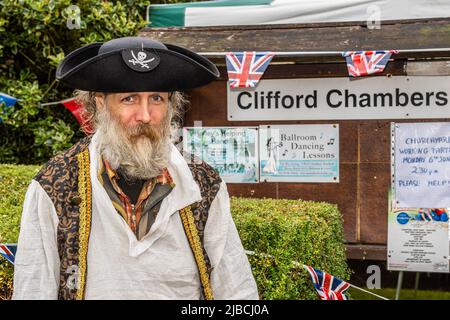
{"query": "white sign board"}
(418, 246)
(232, 151)
(397, 97)
(418, 239)
(421, 164)
(299, 153)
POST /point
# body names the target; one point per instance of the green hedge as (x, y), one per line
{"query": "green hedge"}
(284, 233)
(14, 180)
(280, 232)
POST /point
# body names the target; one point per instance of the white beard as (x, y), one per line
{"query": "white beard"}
(139, 155)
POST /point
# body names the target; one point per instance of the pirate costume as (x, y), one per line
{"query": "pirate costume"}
(88, 233)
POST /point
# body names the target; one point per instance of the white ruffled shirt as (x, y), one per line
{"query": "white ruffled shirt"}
(159, 266)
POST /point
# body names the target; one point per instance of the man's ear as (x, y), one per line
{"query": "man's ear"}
(100, 100)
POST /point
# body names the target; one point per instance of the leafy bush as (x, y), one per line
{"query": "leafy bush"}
(34, 37)
(280, 232)
(285, 234)
(14, 181)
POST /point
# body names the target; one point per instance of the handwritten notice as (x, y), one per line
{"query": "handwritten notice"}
(421, 164)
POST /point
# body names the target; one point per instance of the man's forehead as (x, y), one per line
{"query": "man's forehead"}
(140, 94)
(147, 93)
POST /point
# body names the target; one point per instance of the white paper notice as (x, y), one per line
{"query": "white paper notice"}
(422, 165)
(417, 241)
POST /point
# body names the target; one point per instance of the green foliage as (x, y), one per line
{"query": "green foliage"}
(285, 234)
(14, 181)
(280, 232)
(405, 294)
(34, 37)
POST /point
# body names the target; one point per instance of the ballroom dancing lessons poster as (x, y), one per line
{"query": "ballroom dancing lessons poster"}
(299, 153)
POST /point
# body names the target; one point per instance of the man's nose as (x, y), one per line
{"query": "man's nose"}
(144, 114)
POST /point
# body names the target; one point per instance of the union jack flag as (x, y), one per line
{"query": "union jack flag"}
(246, 68)
(363, 63)
(327, 286)
(8, 251)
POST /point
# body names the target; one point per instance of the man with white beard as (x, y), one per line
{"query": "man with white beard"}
(123, 214)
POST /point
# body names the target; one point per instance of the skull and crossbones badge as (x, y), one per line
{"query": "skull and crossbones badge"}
(140, 59)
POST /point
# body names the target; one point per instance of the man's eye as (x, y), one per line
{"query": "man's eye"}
(157, 98)
(128, 99)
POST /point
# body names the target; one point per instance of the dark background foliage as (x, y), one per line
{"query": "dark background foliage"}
(34, 37)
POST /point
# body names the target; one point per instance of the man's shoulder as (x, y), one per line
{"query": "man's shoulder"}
(62, 161)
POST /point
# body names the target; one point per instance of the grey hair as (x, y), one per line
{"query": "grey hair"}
(177, 103)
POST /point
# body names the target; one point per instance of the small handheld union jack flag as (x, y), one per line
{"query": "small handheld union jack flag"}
(327, 286)
(363, 63)
(8, 251)
(246, 68)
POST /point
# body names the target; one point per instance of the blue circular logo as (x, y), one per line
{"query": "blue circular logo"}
(402, 218)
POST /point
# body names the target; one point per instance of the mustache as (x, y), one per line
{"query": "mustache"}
(152, 132)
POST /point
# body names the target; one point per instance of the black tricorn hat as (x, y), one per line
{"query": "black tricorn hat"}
(135, 64)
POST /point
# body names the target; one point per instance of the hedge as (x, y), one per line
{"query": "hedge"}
(285, 233)
(14, 180)
(280, 233)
